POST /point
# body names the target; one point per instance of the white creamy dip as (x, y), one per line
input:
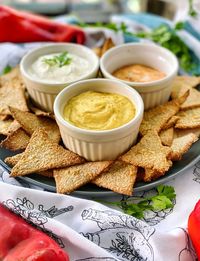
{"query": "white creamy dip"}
(73, 71)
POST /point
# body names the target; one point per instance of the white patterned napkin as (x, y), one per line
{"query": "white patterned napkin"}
(88, 230)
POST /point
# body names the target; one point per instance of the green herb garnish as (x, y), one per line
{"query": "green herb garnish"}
(136, 206)
(58, 60)
(7, 69)
(192, 12)
(167, 37)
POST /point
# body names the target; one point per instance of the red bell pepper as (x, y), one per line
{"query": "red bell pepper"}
(19, 241)
(194, 228)
(19, 27)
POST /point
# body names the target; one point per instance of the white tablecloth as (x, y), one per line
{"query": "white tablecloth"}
(88, 230)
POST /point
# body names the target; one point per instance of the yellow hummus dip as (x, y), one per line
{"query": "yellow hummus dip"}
(138, 73)
(99, 111)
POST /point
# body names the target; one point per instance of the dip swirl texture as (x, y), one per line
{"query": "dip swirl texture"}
(99, 111)
(74, 70)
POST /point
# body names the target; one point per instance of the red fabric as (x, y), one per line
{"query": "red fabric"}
(20, 241)
(194, 228)
(19, 27)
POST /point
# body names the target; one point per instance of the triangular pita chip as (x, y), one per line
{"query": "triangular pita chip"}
(188, 119)
(170, 123)
(166, 136)
(43, 154)
(14, 159)
(12, 75)
(17, 140)
(183, 83)
(183, 132)
(192, 101)
(4, 126)
(156, 118)
(120, 178)
(151, 174)
(69, 179)
(38, 111)
(149, 153)
(108, 44)
(30, 122)
(181, 145)
(12, 94)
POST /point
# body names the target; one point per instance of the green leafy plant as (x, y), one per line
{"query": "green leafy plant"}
(7, 69)
(136, 206)
(58, 60)
(167, 37)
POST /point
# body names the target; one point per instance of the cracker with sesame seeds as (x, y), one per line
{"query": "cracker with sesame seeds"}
(183, 83)
(167, 136)
(156, 118)
(181, 145)
(12, 93)
(12, 161)
(30, 122)
(149, 153)
(4, 126)
(69, 179)
(43, 154)
(120, 178)
(192, 101)
(170, 123)
(188, 119)
(151, 174)
(17, 140)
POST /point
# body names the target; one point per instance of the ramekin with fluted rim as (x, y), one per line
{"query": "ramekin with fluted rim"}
(93, 144)
(155, 92)
(43, 92)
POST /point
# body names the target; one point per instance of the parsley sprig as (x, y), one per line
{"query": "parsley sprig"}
(58, 60)
(167, 37)
(136, 206)
(7, 69)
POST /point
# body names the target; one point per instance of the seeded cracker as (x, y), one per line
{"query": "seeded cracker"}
(183, 132)
(69, 179)
(188, 119)
(154, 119)
(181, 145)
(4, 126)
(30, 122)
(14, 159)
(17, 140)
(166, 136)
(108, 44)
(170, 123)
(39, 112)
(151, 174)
(192, 101)
(183, 83)
(12, 94)
(120, 178)
(149, 153)
(43, 154)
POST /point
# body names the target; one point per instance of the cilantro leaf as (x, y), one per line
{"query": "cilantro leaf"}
(161, 202)
(136, 206)
(7, 69)
(167, 191)
(58, 60)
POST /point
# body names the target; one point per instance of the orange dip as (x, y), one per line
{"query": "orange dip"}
(138, 73)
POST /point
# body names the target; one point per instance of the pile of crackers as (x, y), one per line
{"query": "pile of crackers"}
(166, 133)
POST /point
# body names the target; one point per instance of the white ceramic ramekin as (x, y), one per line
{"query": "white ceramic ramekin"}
(155, 92)
(42, 92)
(98, 145)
